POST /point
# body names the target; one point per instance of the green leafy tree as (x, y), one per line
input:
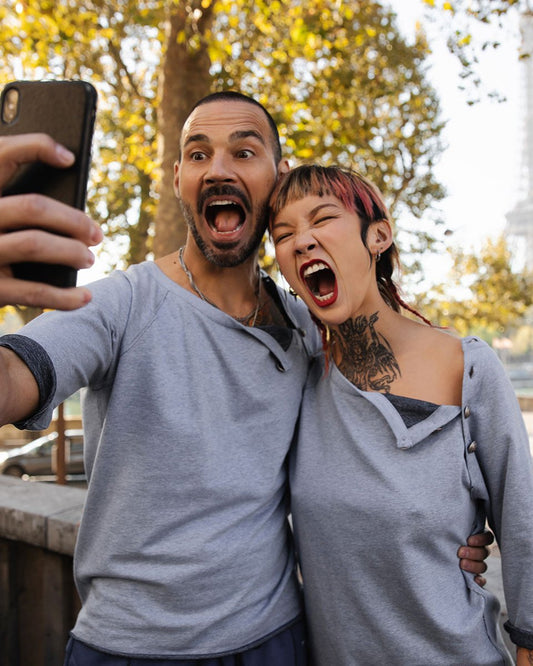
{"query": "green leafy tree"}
(483, 294)
(340, 80)
(119, 46)
(344, 87)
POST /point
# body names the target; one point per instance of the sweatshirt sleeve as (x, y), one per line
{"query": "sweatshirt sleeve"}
(40, 365)
(76, 348)
(501, 446)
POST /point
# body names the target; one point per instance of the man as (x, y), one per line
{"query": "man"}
(195, 366)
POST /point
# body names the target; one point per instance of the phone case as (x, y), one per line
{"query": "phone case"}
(66, 111)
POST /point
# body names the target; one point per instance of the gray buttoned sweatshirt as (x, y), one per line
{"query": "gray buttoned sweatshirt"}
(184, 549)
(380, 508)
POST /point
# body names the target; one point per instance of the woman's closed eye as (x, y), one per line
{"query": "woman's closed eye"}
(325, 218)
(279, 238)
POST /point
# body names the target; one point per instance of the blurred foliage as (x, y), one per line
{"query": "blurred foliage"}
(483, 294)
(338, 77)
(458, 18)
(113, 45)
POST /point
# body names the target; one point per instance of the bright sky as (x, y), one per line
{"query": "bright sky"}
(481, 164)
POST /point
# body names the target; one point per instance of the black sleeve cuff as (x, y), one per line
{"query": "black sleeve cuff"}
(40, 365)
(523, 639)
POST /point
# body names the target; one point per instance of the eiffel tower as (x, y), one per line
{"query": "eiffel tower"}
(520, 220)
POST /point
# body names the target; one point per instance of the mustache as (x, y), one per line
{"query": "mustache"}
(220, 191)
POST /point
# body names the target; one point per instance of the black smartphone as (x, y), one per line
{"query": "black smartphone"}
(66, 111)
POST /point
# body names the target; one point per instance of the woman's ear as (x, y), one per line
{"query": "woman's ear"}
(379, 236)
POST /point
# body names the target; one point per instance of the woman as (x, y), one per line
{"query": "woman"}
(405, 431)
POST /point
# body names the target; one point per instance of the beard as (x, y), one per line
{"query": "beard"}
(228, 255)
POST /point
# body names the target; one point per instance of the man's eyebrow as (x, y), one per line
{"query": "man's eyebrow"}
(245, 134)
(196, 137)
(235, 136)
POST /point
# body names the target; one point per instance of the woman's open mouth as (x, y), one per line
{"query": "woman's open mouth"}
(320, 281)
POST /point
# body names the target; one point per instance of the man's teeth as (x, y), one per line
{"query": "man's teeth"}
(314, 268)
(223, 203)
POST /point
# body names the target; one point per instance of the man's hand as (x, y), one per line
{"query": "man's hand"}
(473, 555)
(38, 220)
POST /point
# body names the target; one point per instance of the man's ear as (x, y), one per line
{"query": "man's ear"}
(379, 236)
(176, 178)
(283, 167)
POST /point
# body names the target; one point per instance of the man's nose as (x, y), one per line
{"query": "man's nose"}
(219, 169)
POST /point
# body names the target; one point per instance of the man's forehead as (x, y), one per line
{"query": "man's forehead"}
(225, 117)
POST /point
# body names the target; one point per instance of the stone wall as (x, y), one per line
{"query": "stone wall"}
(38, 600)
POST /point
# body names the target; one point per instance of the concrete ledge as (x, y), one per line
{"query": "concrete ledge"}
(525, 402)
(40, 514)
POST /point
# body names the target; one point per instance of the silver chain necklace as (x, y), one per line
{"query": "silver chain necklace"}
(196, 289)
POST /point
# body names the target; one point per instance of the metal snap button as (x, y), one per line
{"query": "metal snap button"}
(472, 447)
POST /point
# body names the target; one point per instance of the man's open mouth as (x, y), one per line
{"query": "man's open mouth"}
(224, 216)
(321, 282)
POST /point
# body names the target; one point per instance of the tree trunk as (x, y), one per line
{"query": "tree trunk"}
(27, 313)
(140, 241)
(185, 78)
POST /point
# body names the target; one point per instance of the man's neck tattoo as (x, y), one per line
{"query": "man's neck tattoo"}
(367, 359)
